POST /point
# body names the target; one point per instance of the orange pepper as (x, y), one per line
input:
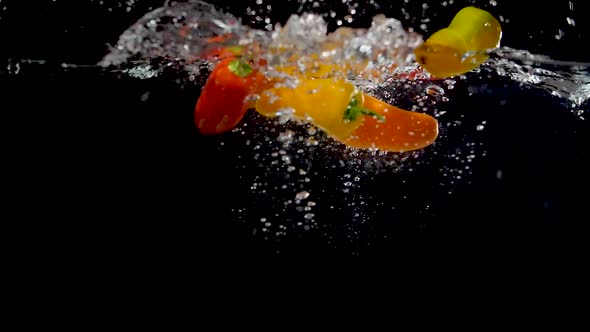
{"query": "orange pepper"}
(399, 130)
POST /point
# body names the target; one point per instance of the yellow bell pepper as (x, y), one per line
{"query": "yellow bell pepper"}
(462, 46)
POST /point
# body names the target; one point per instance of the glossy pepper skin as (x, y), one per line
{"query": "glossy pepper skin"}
(223, 100)
(395, 129)
(461, 46)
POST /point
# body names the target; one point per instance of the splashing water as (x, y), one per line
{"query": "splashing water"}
(567, 80)
(184, 30)
(173, 32)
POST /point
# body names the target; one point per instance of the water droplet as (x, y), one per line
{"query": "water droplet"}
(571, 21)
(144, 97)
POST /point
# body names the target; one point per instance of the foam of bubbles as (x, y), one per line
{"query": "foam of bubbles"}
(142, 71)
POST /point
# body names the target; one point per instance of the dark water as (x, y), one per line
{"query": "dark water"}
(128, 207)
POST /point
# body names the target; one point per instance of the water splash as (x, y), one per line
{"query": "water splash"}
(176, 31)
(566, 80)
(183, 31)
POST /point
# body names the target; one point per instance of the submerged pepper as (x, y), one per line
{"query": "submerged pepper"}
(223, 101)
(462, 46)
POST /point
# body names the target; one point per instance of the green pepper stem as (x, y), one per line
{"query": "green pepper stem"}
(240, 67)
(354, 110)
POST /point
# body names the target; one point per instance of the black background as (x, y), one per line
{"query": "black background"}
(125, 207)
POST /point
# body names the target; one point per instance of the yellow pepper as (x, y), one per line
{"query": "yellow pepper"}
(462, 46)
(333, 105)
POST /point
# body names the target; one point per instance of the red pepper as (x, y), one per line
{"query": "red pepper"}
(223, 103)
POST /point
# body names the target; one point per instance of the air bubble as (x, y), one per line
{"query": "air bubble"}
(435, 90)
(302, 195)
